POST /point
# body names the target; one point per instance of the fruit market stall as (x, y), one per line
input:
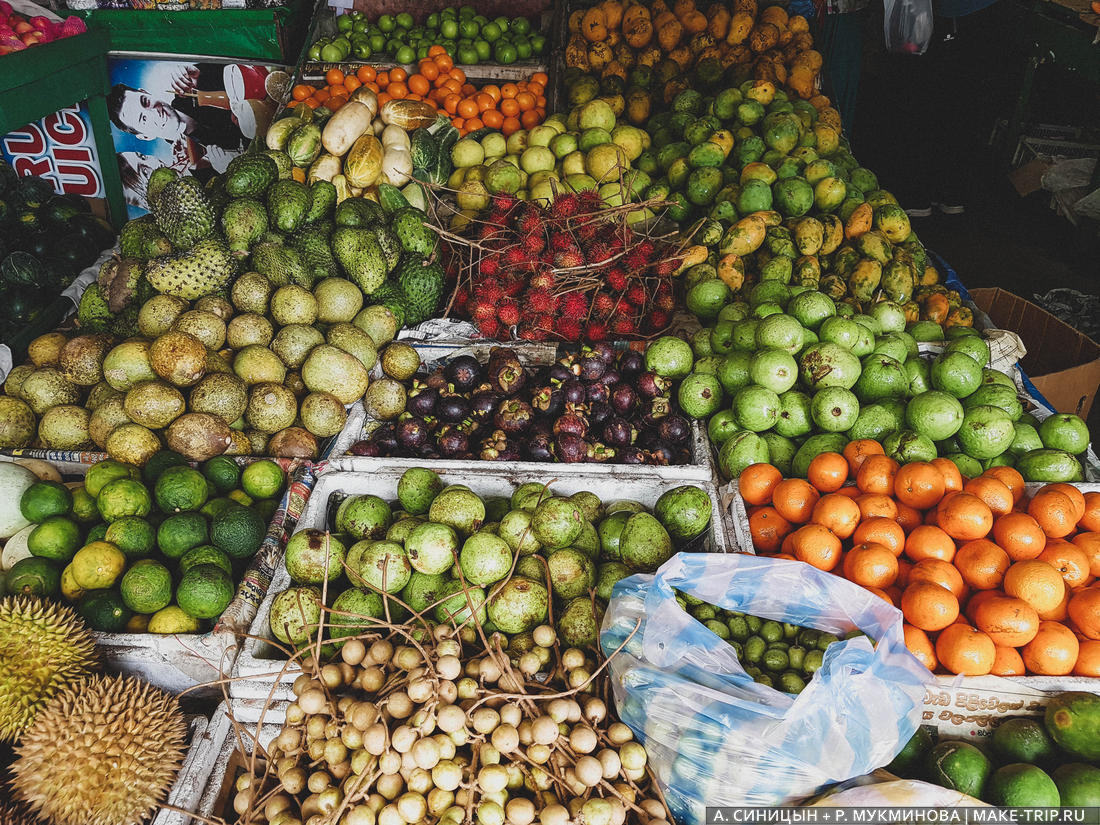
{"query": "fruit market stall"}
(655, 430)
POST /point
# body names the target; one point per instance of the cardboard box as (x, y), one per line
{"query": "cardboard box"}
(1063, 364)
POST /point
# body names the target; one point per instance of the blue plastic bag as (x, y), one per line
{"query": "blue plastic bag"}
(716, 737)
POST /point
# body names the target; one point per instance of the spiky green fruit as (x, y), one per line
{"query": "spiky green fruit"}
(104, 751)
(13, 814)
(205, 269)
(184, 213)
(43, 648)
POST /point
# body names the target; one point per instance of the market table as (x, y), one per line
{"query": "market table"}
(39, 81)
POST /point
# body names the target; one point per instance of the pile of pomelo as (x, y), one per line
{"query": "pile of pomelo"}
(781, 384)
(990, 577)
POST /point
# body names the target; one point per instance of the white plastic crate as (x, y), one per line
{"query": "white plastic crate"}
(260, 667)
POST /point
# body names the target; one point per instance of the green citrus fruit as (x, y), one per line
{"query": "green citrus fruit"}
(57, 538)
(44, 499)
(134, 536)
(147, 586)
(263, 479)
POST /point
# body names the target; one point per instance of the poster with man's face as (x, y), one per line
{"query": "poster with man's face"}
(194, 116)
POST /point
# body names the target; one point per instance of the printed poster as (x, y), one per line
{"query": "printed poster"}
(60, 148)
(194, 116)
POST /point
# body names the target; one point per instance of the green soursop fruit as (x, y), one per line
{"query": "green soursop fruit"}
(282, 265)
(216, 194)
(282, 162)
(287, 205)
(391, 246)
(393, 297)
(184, 213)
(361, 256)
(408, 224)
(312, 245)
(358, 212)
(205, 269)
(422, 284)
(93, 313)
(249, 175)
(131, 239)
(322, 200)
(160, 178)
(244, 221)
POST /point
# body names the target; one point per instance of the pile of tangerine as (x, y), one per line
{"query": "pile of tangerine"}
(507, 108)
(988, 579)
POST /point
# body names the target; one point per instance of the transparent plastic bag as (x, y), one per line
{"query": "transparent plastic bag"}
(908, 25)
(716, 737)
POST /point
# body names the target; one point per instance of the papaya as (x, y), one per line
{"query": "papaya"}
(873, 244)
(807, 271)
(845, 261)
(834, 287)
(912, 311)
(779, 268)
(594, 25)
(808, 235)
(780, 242)
(897, 281)
(934, 307)
(731, 271)
(743, 237)
(859, 222)
(832, 234)
(959, 317)
(931, 275)
(865, 279)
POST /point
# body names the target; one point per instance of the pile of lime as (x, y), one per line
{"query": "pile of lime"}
(1029, 761)
(778, 654)
(467, 36)
(158, 550)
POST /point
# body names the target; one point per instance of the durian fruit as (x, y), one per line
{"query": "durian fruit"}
(17, 815)
(44, 647)
(104, 751)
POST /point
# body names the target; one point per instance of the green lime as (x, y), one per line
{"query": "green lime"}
(158, 463)
(146, 586)
(172, 620)
(179, 533)
(1078, 785)
(98, 565)
(238, 531)
(1023, 739)
(98, 532)
(205, 554)
(123, 497)
(104, 472)
(104, 611)
(266, 508)
(44, 499)
(223, 472)
(216, 506)
(180, 489)
(84, 509)
(263, 479)
(1021, 785)
(909, 759)
(135, 537)
(56, 538)
(33, 576)
(405, 54)
(205, 591)
(959, 766)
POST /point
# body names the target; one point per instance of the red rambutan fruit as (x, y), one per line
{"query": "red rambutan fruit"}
(530, 222)
(595, 331)
(603, 304)
(565, 205)
(481, 311)
(508, 312)
(489, 327)
(667, 267)
(542, 280)
(529, 333)
(574, 305)
(657, 319)
(636, 295)
(534, 243)
(541, 301)
(561, 241)
(489, 266)
(568, 260)
(568, 328)
(623, 326)
(635, 261)
(515, 256)
(616, 279)
(513, 287)
(489, 291)
(598, 252)
(647, 249)
(588, 200)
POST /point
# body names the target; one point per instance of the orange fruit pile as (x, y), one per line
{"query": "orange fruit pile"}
(988, 579)
(507, 108)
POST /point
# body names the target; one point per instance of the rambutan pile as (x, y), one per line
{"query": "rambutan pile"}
(576, 270)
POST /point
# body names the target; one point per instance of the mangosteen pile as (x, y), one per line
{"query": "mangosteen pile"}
(596, 404)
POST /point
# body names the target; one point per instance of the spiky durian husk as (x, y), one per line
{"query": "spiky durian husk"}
(13, 814)
(104, 751)
(43, 648)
